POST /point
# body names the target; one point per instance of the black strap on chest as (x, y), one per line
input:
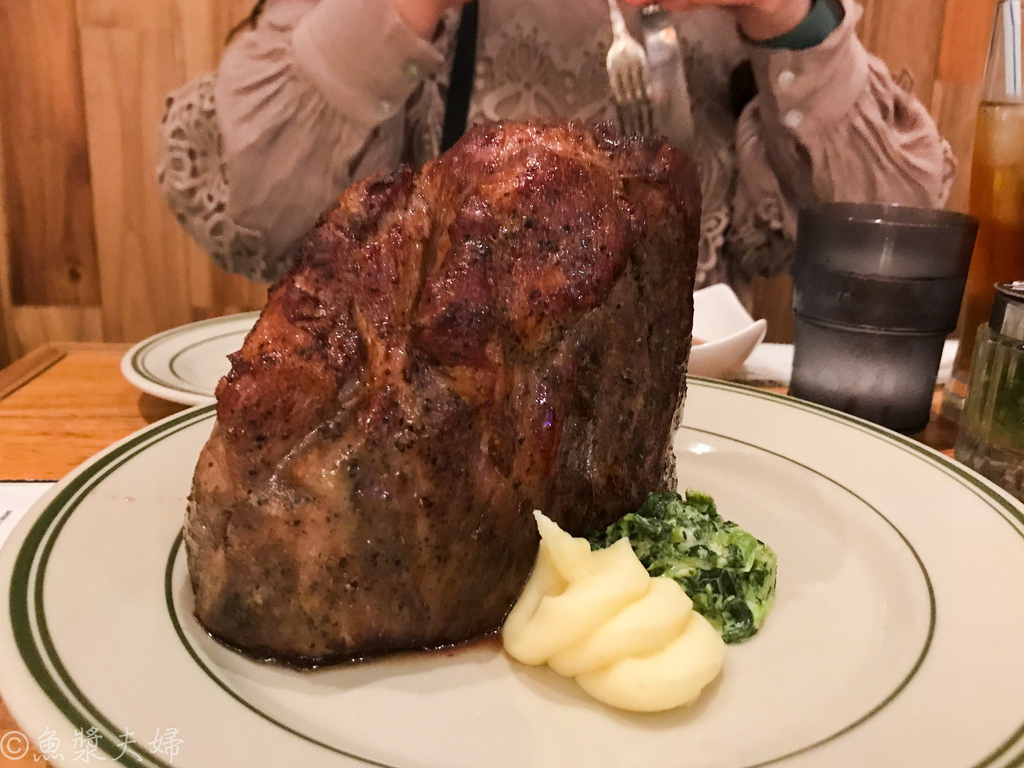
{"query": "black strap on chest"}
(460, 88)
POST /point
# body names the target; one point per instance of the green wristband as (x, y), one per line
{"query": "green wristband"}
(823, 19)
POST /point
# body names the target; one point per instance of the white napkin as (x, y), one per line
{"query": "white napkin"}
(16, 498)
(773, 364)
(946, 363)
(767, 364)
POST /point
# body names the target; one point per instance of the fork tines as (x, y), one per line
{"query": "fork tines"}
(636, 115)
(627, 66)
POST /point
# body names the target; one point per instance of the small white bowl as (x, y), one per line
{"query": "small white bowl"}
(726, 332)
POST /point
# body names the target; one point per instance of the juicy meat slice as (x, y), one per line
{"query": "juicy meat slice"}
(505, 330)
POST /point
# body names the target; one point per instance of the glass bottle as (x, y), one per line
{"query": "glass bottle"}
(991, 437)
(996, 194)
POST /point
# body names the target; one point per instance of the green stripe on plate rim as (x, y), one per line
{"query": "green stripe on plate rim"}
(26, 592)
(981, 488)
(30, 564)
(138, 362)
(185, 385)
(173, 614)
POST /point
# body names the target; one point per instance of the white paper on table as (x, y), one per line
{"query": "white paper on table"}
(16, 498)
(773, 364)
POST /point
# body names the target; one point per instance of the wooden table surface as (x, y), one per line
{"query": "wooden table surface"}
(64, 403)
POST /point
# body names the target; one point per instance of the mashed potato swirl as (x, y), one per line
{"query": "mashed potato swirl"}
(631, 641)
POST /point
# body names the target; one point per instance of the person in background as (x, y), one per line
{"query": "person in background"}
(312, 95)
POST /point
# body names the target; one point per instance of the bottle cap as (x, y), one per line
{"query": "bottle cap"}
(1008, 310)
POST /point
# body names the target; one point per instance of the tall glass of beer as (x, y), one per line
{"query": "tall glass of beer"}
(996, 195)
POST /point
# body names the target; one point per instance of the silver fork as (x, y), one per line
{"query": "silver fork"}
(627, 73)
(667, 88)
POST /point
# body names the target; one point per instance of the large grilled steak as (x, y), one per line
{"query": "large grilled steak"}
(505, 330)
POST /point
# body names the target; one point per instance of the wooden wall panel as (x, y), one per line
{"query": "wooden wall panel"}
(144, 274)
(153, 275)
(90, 251)
(33, 326)
(7, 354)
(943, 46)
(50, 222)
(907, 36)
(965, 38)
(50, 249)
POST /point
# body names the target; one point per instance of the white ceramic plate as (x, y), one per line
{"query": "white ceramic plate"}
(184, 364)
(895, 639)
(726, 333)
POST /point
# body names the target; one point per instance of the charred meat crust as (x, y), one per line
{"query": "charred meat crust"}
(505, 330)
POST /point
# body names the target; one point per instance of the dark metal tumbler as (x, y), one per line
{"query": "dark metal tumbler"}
(876, 290)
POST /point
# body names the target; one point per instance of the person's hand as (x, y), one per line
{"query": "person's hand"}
(757, 19)
(423, 16)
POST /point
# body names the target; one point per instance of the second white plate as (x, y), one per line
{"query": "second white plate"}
(184, 364)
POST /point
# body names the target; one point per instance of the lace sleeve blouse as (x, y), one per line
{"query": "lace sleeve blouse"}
(324, 92)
